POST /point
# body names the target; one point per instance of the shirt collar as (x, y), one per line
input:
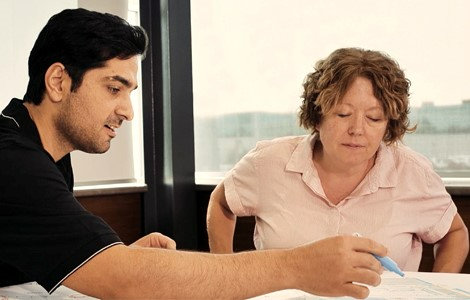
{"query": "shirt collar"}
(301, 158)
(15, 117)
(382, 175)
(21, 121)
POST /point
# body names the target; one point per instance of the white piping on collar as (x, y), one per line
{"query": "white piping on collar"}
(8, 117)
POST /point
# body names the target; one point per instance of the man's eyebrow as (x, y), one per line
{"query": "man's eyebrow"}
(122, 80)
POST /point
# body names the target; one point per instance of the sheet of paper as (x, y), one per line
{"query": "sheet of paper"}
(412, 288)
(392, 287)
(32, 290)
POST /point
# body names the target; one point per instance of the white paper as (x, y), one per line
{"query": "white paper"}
(32, 290)
(392, 287)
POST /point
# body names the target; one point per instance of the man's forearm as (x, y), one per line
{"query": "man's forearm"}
(329, 267)
(158, 273)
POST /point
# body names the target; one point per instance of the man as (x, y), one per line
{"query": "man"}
(82, 70)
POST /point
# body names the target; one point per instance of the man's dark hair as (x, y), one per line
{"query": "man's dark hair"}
(81, 40)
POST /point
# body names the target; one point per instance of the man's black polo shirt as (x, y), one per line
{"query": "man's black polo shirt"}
(45, 234)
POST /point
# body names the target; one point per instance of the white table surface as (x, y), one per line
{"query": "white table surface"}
(446, 281)
(415, 285)
(32, 290)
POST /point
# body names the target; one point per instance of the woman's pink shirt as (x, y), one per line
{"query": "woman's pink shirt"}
(400, 203)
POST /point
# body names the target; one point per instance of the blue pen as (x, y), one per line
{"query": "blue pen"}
(386, 262)
(389, 264)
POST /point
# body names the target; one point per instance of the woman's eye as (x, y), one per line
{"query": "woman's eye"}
(374, 119)
(342, 115)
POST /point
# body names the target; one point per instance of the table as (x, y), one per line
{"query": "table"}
(415, 285)
(32, 290)
(419, 284)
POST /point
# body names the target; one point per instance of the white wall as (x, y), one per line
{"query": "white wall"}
(20, 23)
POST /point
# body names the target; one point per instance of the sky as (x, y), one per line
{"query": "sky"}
(254, 55)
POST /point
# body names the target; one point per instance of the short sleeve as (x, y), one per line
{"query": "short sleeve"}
(437, 211)
(45, 234)
(242, 185)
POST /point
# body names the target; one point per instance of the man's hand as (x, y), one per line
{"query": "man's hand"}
(155, 240)
(338, 266)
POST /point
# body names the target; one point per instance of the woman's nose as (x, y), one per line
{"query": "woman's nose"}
(356, 127)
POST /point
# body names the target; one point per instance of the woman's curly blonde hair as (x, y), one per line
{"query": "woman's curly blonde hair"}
(324, 88)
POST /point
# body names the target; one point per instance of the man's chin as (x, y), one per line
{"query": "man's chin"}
(103, 150)
(97, 149)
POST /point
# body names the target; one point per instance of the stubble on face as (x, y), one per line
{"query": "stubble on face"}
(88, 117)
(71, 124)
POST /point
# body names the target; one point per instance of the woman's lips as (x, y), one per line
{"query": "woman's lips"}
(351, 145)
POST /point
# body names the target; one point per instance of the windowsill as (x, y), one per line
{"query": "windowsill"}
(206, 181)
(457, 186)
(103, 189)
(458, 190)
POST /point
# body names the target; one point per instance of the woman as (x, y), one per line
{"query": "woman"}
(351, 175)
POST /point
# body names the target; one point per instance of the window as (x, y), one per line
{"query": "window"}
(250, 59)
(123, 162)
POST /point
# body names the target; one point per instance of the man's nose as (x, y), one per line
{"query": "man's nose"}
(125, 109)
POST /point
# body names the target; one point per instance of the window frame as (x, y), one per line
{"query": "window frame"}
(169, 205)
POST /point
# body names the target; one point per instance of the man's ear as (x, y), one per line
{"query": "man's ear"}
(57, 82)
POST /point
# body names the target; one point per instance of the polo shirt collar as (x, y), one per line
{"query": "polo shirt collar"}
(301, 158)
(18, 119)
(23, 123)
(382, 175)
(301, 162)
